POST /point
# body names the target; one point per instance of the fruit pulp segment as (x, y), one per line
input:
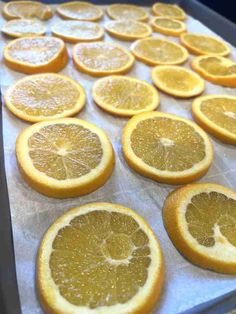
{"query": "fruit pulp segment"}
(168, 10)
(64, 151)
(26, 10)
(206, 44)
(123, 12)
(167, 23)
(215, 66)
(128, 28)
(81, 11)
(100, 259)
(77, 29)
(167, 144)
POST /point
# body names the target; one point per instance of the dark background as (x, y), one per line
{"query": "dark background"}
(226, 8)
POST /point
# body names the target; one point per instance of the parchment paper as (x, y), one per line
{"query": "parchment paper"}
(32, 213)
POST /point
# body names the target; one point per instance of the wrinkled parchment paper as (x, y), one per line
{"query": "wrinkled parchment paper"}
(32, 213)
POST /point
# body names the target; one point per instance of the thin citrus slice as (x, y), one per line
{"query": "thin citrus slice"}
(166, 148)
(46, 96)
(120, 11)
(36, 54)
(80, 10)
(204, 44)
(125, 96)
(128, 30)
(217, 115)
(177, 81)
(102, 58)
(26, 9)
(23, 28)
(99, 258)
(215, 69)
(169, 10)
(200, 220)
(77, 31)
(156, 51)
(64, 157)
(168, 26)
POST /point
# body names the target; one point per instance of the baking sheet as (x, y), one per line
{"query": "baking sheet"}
(32, 213)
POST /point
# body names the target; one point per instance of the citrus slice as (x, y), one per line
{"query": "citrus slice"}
(166, 148)
(26, 9)
(200, 220)
(128, 30)
(36, 54)
(102, 58)
(23, 28)
(177, 81)
(168, 26)
(125, 96)
(120, 11)
(217, 115)
(169, 10)
(99, 258)
(215, 69)
(80, 10)
(156, 51)
(46, 96)
(204, 44)
(64, 157)
(77, 31)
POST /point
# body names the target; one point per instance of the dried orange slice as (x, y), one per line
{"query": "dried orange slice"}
(215, 69)
(169, 10)
(102, 58)
(217, 115)
(200, 220)
(166, 148)
(64, 157)
(177, 81)
(204, 44)
(128, 30)
(23, 28)
(26, 9)
(45, 96)
(125, 96)
(80, 10)
(36, 54)
(168, 26)
(77, 31)
(101, 258)
(120, 11)
(156, 51)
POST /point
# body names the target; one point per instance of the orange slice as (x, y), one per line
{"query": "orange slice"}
(125, 96)
(77, 31)
(215, 69)
(102, 58)
(169, 10)
(99, 258)
(125, 12)
(45, 96)
(177, 81)
(200, 220)
(23, 28)
(128, 30)
(80, 10)
(166, 148)
(155, 51)
(168, 26)
(26, 9)
(217, 115)
(36, 54)
(64, 157)
(204, 44)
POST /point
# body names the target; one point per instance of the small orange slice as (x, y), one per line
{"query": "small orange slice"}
(169, 10)
(36, 55)
(24, 28)
(168, 26)
(126, 12)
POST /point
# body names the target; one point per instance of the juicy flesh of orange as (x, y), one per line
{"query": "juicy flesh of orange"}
(26, 10)
(221, 111)
(63, 151)
(206, 44)
(208, 211)
(45, 96)
(81, 11)
(123, 12)
(80, 29)
(167, 23)
(167, 144)
(128, 28)
(26, 27)
(168, 10)
(214, 66)
(100, 259)
(124, 94)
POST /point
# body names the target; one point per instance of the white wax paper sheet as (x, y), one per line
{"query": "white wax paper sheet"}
(32, 213)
